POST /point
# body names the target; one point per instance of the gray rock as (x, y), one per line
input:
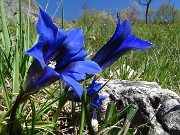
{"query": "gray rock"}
(169, 116)
(157, 106)
(11, 9)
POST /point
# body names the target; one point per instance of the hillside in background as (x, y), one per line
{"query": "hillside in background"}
(11, 8)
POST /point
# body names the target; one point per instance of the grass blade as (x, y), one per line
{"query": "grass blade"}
(48, 106)
(5, 90)
(62, 14)
(33, 118)
(129, 118)
(88, 120)
(15, 89)
(82, 119)
(110, 111)
(61, 103)
(119, 114)
(4, 27)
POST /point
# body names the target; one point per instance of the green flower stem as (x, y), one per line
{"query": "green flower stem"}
(61, 103)
(13, 114)
(82, 119)
(20, 99)
(88, 120)
(59, 107)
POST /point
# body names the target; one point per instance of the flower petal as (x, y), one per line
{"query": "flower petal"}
(94, 87)
(131, 42)
(140, 44)
(135, 43)
(122, 30)
(78, 57)
(48, 78)
(73, 47)
(96, 102)
(83, 67)
(57, 45)
(46, 28)
(74, 41)
(76, 76)
(33, 76)
(73, 84)
(38, 77)
(61, 36)
(37, 52)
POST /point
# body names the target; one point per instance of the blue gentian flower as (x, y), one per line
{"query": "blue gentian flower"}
(92, 94)
(58, 55)
(120, 43)
(92, 90)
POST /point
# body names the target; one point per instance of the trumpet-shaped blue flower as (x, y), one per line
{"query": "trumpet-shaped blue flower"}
(92, 94)
(92, 90)
(58, 55)
(120, 43)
